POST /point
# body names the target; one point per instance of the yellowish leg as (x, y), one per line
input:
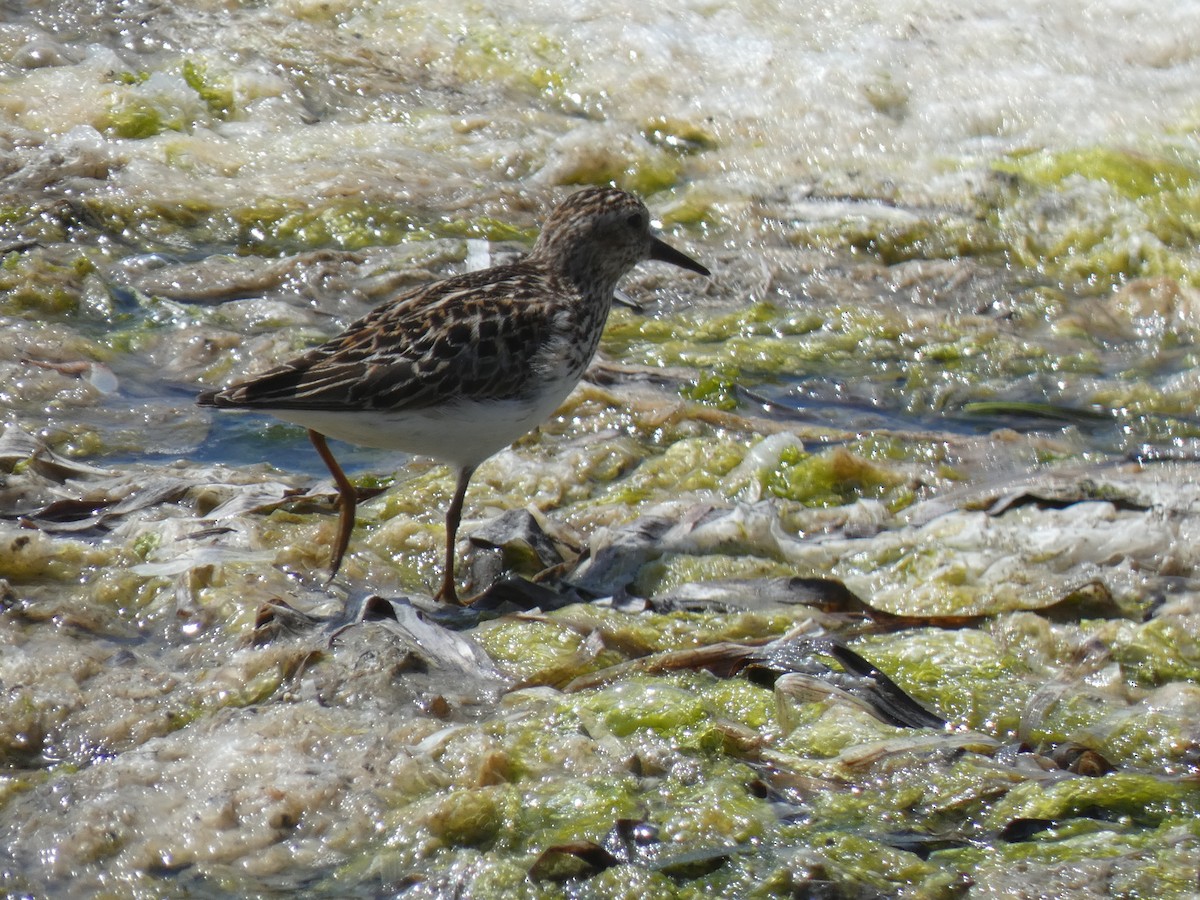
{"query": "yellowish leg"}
(347, 500)
(448, 594)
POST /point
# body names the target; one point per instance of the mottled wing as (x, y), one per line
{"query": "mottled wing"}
(472, 336)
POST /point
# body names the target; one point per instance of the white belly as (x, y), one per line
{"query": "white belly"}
(461, 434)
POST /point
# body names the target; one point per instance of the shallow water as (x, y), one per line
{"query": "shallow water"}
(946, 363)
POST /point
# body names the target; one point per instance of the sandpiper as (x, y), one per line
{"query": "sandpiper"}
(459, 369)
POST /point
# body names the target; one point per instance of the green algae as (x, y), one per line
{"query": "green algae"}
(679, 135)
(32, 556)
(970, 795)
(965, 675)
(891, 243)
(43, 285)
(464, 818)
(558, 811)
(864, 861)
(717, 389)
(522, 59)
(832, 478)
(1144, 800)
(541, 653)
(738, 700)
(641, 170)
(346, 223)
(1159, 862)
(77, 442)
(33, 223)
(1114, 213)
(1157, 652)
(1091, 216)
(419, 495)
(349, 223)
(984, 687)
(693, 209)
(712, 806)
(492, 828)
(923, 365)
(137, 119)
(138, 221)
(671, 571)
(822, 731)
(274, 227)
(129, 78)
(974, 683)
(486, 228)
(648, 704)
(657, 632)
(1130, 173)
(215, 91)
(694, 464)
(535, 811)
(550, 652)
(627, 882)
(1151, 740)
(715, 810)
(140, 109)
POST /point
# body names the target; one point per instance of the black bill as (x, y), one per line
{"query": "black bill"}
(664, 252)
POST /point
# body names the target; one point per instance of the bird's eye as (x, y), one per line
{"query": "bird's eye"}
(636, 221)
